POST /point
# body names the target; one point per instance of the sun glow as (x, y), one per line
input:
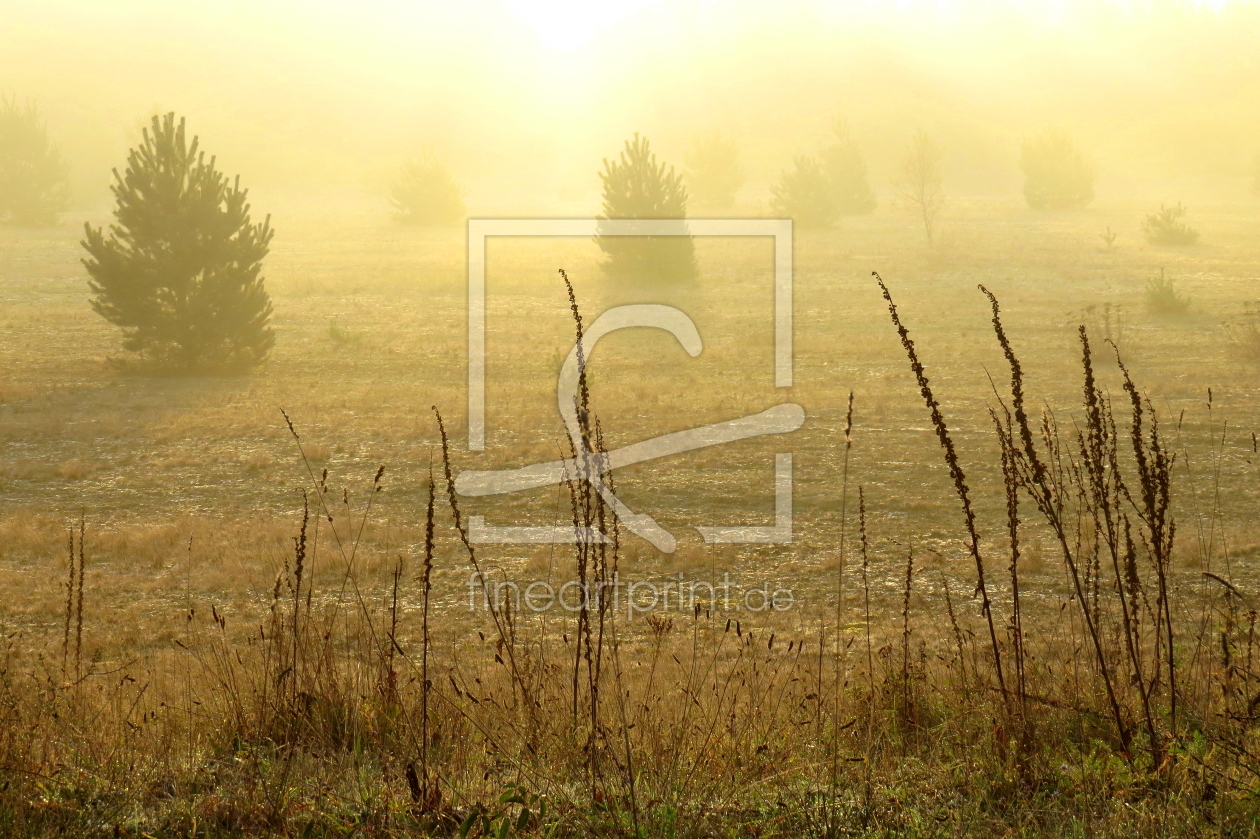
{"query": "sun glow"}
(571, 24)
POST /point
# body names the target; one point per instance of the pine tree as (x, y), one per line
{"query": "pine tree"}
(804, 194)
(425, 192)
(180, 268)
(845, 169)
(1056, 174)
(636, 186)
(713, 172)
(1168, 228)
(33, 190)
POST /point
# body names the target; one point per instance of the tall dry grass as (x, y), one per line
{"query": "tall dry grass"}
(1128, 707)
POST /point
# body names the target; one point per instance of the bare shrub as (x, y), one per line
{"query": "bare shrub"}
(921, 182)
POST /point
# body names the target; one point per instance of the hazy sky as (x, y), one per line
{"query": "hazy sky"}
(522, 99)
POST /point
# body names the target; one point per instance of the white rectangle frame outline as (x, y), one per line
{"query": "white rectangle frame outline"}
(481, 229)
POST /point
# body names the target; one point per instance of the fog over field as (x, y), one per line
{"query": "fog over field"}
(523, 99)
(629, 418)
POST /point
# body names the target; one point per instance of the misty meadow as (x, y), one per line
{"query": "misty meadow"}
(647, 419)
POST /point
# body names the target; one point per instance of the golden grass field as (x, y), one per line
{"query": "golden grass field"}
(191, 494)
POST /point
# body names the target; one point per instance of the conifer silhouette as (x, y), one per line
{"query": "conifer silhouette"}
(636, 186)
(33, 189)
(180, 268)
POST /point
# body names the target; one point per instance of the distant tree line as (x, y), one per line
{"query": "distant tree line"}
(180, 269)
